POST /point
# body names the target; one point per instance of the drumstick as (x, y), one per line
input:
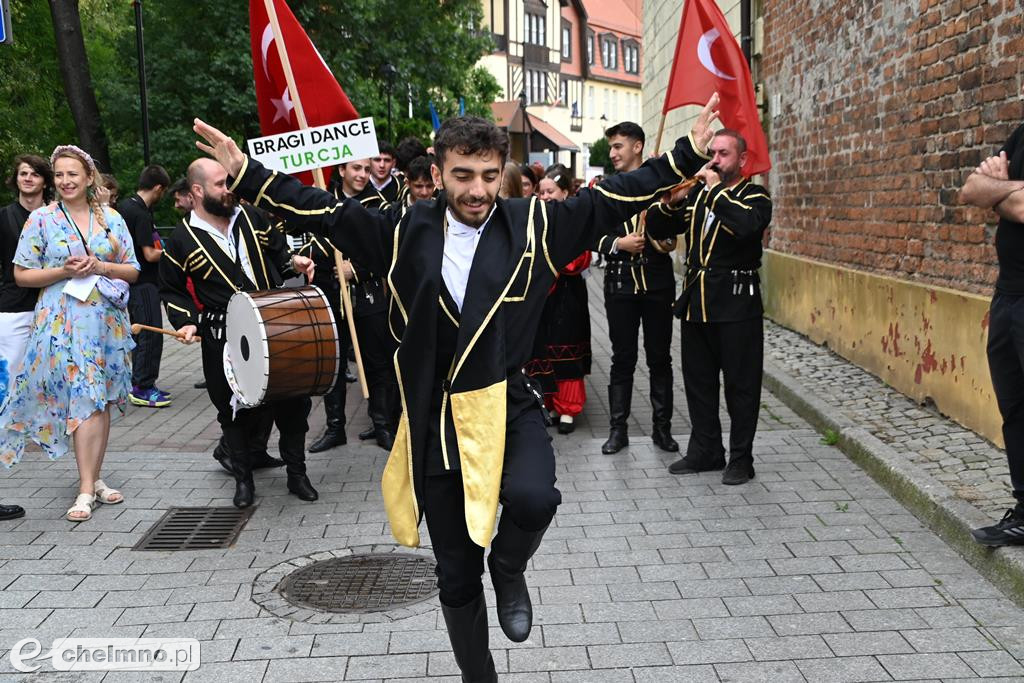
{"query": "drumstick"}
(138, 327)
(346, 302)
(684, 185)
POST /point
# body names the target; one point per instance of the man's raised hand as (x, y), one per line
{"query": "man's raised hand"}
(219, 146)
(701, 128)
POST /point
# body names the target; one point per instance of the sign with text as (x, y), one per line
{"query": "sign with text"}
(5, 22)
(304, 150)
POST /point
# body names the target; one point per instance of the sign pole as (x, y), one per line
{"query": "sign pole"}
(318, 178)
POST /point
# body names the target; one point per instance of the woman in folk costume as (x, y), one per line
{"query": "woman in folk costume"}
(562, 347)
(469, 273)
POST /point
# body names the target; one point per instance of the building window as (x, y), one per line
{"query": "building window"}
(631, 58)
(563, 93)
(536, 86)
(590, 50)
(607, 104)
(590, 101)
(610, 54)
(566, 43)
(615, 105)
(536, 29)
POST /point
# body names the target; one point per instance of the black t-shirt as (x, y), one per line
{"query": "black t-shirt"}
(1010, 234)
(139, 219)
(13, 299)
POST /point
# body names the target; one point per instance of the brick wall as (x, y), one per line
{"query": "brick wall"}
(877, 112)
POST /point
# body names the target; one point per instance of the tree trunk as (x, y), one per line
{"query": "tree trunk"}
(74, 71)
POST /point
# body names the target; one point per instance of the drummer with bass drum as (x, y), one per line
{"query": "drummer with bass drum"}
(227, 248)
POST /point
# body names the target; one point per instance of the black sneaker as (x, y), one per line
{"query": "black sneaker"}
(1009, 530)
(738, 472)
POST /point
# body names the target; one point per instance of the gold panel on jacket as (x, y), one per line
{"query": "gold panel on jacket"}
(398, 490)
(479, 417)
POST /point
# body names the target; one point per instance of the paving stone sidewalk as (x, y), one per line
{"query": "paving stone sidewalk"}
(812, 572)
(972, 467)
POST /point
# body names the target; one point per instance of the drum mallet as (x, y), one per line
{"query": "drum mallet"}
(138, 327)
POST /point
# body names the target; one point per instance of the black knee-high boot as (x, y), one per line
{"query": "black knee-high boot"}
(620, 397)
(467, 631)
(511, 549)
(334, 407)
(237, 448)
(294, 456)
(661, 406)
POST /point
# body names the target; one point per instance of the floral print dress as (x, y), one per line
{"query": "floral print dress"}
(78, 358)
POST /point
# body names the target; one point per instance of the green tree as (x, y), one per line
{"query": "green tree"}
(599, 155)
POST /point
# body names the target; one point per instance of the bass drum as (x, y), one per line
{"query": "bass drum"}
(281, 343)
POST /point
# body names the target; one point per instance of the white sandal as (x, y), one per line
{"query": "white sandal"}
(84, 503)
(104, 492)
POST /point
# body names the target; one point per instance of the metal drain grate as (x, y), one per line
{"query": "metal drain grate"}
(361, 583)
(195, 529)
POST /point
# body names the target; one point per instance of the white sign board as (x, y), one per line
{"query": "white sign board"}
(304, 150)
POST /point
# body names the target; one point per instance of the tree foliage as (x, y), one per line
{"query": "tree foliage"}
(599, 155)
(198, 63)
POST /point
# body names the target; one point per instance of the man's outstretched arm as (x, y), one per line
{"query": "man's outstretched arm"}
(365, 234)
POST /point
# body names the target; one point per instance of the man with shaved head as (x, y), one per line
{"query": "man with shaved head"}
(227, 248)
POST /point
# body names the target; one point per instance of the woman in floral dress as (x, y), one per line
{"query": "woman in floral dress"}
(78, 359)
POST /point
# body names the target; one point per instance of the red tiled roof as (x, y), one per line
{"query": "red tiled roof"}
(509, 115)
(624, 16)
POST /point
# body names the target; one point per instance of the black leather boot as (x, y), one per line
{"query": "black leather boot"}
(467, 631)
(334, 435)
(511, 550)
(368, 433)
(236, 446)
(377, 408)
(661, 407)
(294, 457)
(620, 396)
(221, 455)
(259, 458)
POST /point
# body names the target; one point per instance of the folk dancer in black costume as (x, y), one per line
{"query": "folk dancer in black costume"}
(639, 288)
(469, 274)
(227, 248)
(723, 221)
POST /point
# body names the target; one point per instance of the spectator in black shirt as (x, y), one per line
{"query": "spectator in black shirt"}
(144, 301)
(998, 184)
(31, 180)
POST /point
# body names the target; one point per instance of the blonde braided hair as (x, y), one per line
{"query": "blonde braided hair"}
(75, 152)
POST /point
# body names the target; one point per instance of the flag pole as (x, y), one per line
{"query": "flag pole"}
(318, 179)
(661, 131)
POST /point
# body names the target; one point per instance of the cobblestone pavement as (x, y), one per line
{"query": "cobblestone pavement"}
(972, 468)
(810, 572)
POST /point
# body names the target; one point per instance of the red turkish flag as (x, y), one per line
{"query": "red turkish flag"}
(323, 100)
(708, 59)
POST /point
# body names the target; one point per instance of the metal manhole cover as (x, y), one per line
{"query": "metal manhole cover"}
(361, 583)
(195, 529)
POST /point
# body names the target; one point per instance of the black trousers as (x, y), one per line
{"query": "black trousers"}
(291, 416)
(734, 351)
(528, 496)
(625, 315)
(377, 347)
(144, 308)
(1006, 365)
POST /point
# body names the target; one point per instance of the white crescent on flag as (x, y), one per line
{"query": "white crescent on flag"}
(703, 54)
(265, 41)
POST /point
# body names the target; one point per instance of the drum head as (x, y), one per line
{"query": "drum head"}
(247, 348)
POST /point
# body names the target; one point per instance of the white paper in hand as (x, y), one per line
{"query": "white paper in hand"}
(80, 287)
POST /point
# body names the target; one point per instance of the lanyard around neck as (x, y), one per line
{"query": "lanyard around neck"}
(85, 242)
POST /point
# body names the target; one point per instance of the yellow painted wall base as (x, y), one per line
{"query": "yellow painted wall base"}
(923, 341)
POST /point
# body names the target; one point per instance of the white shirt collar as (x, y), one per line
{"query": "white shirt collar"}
(456, 227)
(381, 186)
(196, 221)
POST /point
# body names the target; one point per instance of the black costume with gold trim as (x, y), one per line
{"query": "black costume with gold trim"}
(720, 306)
(638, 290)
(191, 251)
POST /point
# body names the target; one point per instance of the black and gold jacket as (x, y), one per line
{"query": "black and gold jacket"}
(723, 228)
(192, 252)
(520, 252)
(634, 274)
(367, 288)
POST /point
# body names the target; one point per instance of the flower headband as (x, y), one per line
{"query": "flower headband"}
(77, 151)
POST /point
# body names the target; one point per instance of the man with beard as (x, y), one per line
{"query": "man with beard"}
(639, 286)
(469, 274)
(32, 182)
(723, 220)
(227, 248)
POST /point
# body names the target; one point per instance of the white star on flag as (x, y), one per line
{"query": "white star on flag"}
(283, 107)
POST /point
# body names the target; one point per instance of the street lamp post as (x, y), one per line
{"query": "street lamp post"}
(525, 127)
(389, 72)
(143, 99)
